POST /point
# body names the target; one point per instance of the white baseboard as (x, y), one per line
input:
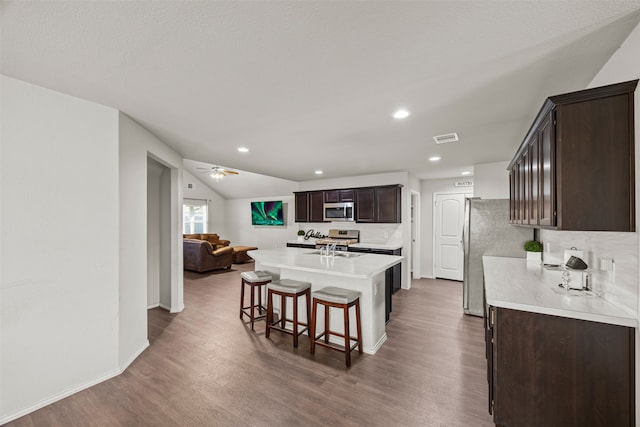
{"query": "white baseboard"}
(177, 309)
(48, 401)
(149, 307)
(124, 366)
(377, 346)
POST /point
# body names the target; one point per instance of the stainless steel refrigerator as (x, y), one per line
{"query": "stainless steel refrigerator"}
(487, 232)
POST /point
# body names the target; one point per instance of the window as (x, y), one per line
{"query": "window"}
(195, 216)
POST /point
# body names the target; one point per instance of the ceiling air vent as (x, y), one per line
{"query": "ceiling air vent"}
(445, 139)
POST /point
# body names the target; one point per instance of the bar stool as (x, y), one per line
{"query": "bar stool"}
(340, 298)
(291, 289)
(255, 279)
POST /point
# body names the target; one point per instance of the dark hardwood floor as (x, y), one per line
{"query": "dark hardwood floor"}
(206, 368)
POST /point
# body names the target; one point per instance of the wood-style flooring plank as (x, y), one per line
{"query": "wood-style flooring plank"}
(205, 367)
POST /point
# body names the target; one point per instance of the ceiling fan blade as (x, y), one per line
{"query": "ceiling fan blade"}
(229, 172)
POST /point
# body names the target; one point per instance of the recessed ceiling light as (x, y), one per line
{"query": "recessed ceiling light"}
(243, 149)
(319, 172)
(465, 173)
(401, 114)
(434, 158)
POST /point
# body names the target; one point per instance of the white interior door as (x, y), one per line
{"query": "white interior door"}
(449, 253)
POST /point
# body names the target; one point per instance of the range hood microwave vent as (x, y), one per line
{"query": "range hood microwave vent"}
(446, 139)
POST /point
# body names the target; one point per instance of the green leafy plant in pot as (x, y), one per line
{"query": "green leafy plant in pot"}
(301, 234)
(534, 250)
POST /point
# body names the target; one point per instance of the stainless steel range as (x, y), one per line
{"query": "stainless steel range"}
(341, 238)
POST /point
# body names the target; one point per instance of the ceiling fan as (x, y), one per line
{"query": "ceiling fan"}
(217, 172)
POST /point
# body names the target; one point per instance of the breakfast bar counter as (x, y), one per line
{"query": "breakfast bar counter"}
(364, 273)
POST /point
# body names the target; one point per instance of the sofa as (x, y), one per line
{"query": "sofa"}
(201, 256)
(212, 238)
(239, 252)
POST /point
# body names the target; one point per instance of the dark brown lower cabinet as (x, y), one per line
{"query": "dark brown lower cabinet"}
(548, 371)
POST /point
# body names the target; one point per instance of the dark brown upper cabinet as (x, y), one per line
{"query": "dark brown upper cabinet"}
(302, 207)
(379, 204)
(575, 169)
(339, 196)
(309, 206)
(372, 204)
(364, 205)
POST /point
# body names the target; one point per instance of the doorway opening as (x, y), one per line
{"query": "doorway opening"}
(158, 235)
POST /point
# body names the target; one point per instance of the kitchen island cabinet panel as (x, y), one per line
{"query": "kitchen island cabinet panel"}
(392, 276)
(556, 371)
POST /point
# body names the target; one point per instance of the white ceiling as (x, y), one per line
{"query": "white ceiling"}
(245, 185)
(312, 85)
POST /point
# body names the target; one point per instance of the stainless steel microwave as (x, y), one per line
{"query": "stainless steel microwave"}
(339, 211)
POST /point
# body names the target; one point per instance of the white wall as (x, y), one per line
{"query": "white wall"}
(241, 232)
(428, 188)
(491, 180)
(59, 246)
(620, 287)
(136, 144)
(624, 65)
(217, 206)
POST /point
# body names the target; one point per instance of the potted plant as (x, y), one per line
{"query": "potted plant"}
(534, 250)
(301, 234)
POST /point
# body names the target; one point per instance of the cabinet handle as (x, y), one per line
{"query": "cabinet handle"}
(491, 317)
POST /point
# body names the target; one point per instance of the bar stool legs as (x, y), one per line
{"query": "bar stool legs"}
(343, 299)
(255, 280)
(287, 288)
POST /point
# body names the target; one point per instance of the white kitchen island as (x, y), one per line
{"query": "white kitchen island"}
(360, 272)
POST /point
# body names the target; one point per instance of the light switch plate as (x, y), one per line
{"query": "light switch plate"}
(606, 264)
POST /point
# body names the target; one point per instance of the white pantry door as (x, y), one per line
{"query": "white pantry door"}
(449, 252)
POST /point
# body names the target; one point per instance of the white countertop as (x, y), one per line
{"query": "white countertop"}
(390, 247)
(364, 266)
(520, 285)
(385, 246)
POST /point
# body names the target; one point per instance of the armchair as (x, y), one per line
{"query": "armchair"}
(200, 256)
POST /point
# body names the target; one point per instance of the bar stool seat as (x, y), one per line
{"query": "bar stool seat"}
(344, 299)
(287, 288)
(253, 279)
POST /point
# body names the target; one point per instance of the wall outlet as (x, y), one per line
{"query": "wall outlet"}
(606, 264)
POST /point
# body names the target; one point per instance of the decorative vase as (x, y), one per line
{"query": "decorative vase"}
(300, 238)
(534, 257)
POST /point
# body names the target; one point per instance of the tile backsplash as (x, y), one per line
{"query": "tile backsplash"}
(621, 285)
(369, 233)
